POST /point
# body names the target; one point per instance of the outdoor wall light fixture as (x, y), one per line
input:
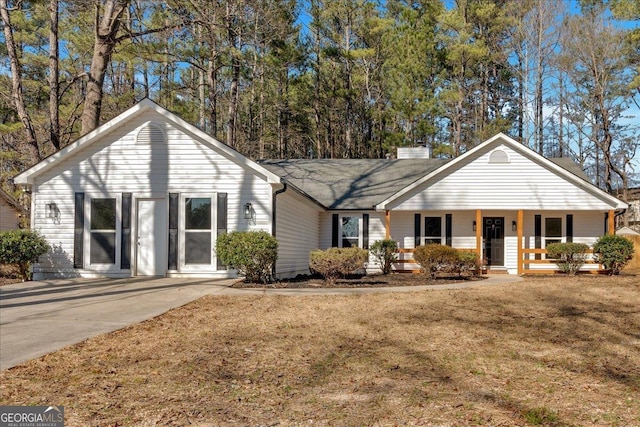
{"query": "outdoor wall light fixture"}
(474, 226)
(248, 211)
(52, 210)
(514, 225)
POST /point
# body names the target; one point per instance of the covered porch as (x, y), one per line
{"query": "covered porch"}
(507, 241)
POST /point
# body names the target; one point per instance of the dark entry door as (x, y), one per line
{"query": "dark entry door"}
(493, 233)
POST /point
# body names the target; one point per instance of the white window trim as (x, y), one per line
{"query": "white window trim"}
(182, 265)
(424, 237)
(101, 268)
(360, 236)
(563, 230)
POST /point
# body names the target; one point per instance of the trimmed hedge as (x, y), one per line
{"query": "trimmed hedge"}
(337, 262)
(467, 262)
(570, 256)
(614, 252)
(385, 252)
(435, 258)
(21, 248)
(252, 253)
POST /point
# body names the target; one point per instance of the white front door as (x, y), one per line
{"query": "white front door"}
(151, 259)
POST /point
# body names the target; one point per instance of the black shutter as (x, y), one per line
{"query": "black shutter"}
(365, 231)
(416, 230)
(538, 234)
(448, 232)
(125, 232)
(606, 223)
(174, 199)
(569, 228)
(334, 230)
(78, 231)
(222, 223)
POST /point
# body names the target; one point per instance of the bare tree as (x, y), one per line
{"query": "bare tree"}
(54, 88)
(106, 29)
(598, 74)
(17, 94)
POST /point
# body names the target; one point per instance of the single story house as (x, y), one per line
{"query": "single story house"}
(147, 194)
(10, 212)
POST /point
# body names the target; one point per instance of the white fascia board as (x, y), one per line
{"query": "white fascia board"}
(383, 205)
(223, 149)
(575, 180)
(527, 152)
(27, 177)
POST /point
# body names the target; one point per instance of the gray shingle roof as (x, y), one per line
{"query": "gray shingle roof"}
(362, 183)
(351, 183)
(570, 166)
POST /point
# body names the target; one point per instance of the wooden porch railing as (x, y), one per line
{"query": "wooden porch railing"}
(527, 261)
(406, 257)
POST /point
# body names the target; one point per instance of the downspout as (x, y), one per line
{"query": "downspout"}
(617, 214)
(620, 213)
(273, 206)
(273, 217)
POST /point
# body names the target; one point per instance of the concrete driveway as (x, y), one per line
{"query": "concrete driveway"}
(39, 317)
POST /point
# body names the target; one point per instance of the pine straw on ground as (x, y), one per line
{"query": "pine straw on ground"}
(364, 281)
(545, 351)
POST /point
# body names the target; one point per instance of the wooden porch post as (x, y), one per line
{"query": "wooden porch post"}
(387, 224)
(612, 224)
(520, 226)
(479, 232)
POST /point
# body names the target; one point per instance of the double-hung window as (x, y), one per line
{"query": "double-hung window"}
(198, 230)
(350, 231)
(552, 231)
(103, 231)
(432, 230)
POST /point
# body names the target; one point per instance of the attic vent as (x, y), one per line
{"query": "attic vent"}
(150, 134)
(498, 156)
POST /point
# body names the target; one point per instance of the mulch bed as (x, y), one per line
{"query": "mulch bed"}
(370, 281)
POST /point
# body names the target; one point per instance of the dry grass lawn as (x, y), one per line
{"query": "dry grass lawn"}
(546, 351)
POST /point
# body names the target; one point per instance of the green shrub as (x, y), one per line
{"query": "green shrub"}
(570, 256)
(337, 262)
(252, 253)
(435, 258)
(385, 252)
(613, 252)
(467, 262)
(22, 247)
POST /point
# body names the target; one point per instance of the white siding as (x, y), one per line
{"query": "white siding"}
(297, 231)
(518, 184)
(376, 226)
(587, 227)
(120, 163)
(377, 231)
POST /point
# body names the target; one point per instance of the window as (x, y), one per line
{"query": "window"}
(432, 230)
(350, 231)
(103, 231)
(552, 231)
(197, 230)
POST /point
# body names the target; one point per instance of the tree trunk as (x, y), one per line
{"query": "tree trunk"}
(54, 91)
(235, 77)
(212, 76)
(16, 85)
(105, 42)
